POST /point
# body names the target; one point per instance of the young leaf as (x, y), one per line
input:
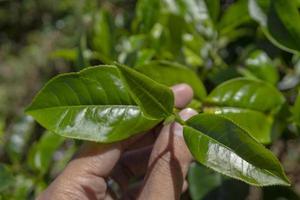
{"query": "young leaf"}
(235, 15)
(41, 153)
(259, 65)
(156, 100)
(221, 145)
(93, 104)
(249, 103)
(169, 73)
(213, 7)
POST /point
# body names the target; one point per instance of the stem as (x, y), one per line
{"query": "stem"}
(179, 120)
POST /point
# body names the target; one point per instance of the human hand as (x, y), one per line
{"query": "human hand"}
(160, 156)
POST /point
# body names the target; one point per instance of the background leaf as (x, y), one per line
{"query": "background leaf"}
(41, 153)
(6, 177)
(202, 180)
(169, 73)
(280, 21)
(259, 65)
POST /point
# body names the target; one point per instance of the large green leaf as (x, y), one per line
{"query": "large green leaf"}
(155, 99)
(223, 146)
(249, 103)
(280, 21)
(170, 73)
(94, 104)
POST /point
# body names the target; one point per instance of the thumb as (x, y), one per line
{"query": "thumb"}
(169, 163)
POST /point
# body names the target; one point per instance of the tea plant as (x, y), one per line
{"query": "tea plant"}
(241, 58)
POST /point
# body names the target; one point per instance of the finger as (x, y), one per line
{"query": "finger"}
(147, 139)
(132, 164)
(168, 163)
(85, 176)
(183, 94)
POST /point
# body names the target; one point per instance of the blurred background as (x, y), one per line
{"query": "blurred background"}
(219, 41)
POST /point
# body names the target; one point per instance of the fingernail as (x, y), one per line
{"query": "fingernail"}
(185, 114)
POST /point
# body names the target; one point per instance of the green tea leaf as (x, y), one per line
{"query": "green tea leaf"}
(244, 93)
(234, 16)
(213, 7)
(170, 73)
(94, 104)
(280, 21)
(102, 33)
(155, 99)
(41, 153)
(202, 180)
(249, 103)
(223, 146)
(146, 15)
(256, 123)
(259, 65)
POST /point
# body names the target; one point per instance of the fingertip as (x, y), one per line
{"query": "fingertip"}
(187, 113)
(183, 94)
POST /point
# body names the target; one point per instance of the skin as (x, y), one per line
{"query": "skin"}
(160, 158)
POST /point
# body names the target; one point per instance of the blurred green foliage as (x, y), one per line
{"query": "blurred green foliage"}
(217, 39)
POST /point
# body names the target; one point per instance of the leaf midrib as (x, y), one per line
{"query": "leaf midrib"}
(78, 106)
(149, 95)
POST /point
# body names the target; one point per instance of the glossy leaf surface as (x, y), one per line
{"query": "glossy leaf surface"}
(223, 146)
(169, 73)
(245, 93)
(249, 103)
(93, 104)
(256, 123)
(156, 100)
(280, 21)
